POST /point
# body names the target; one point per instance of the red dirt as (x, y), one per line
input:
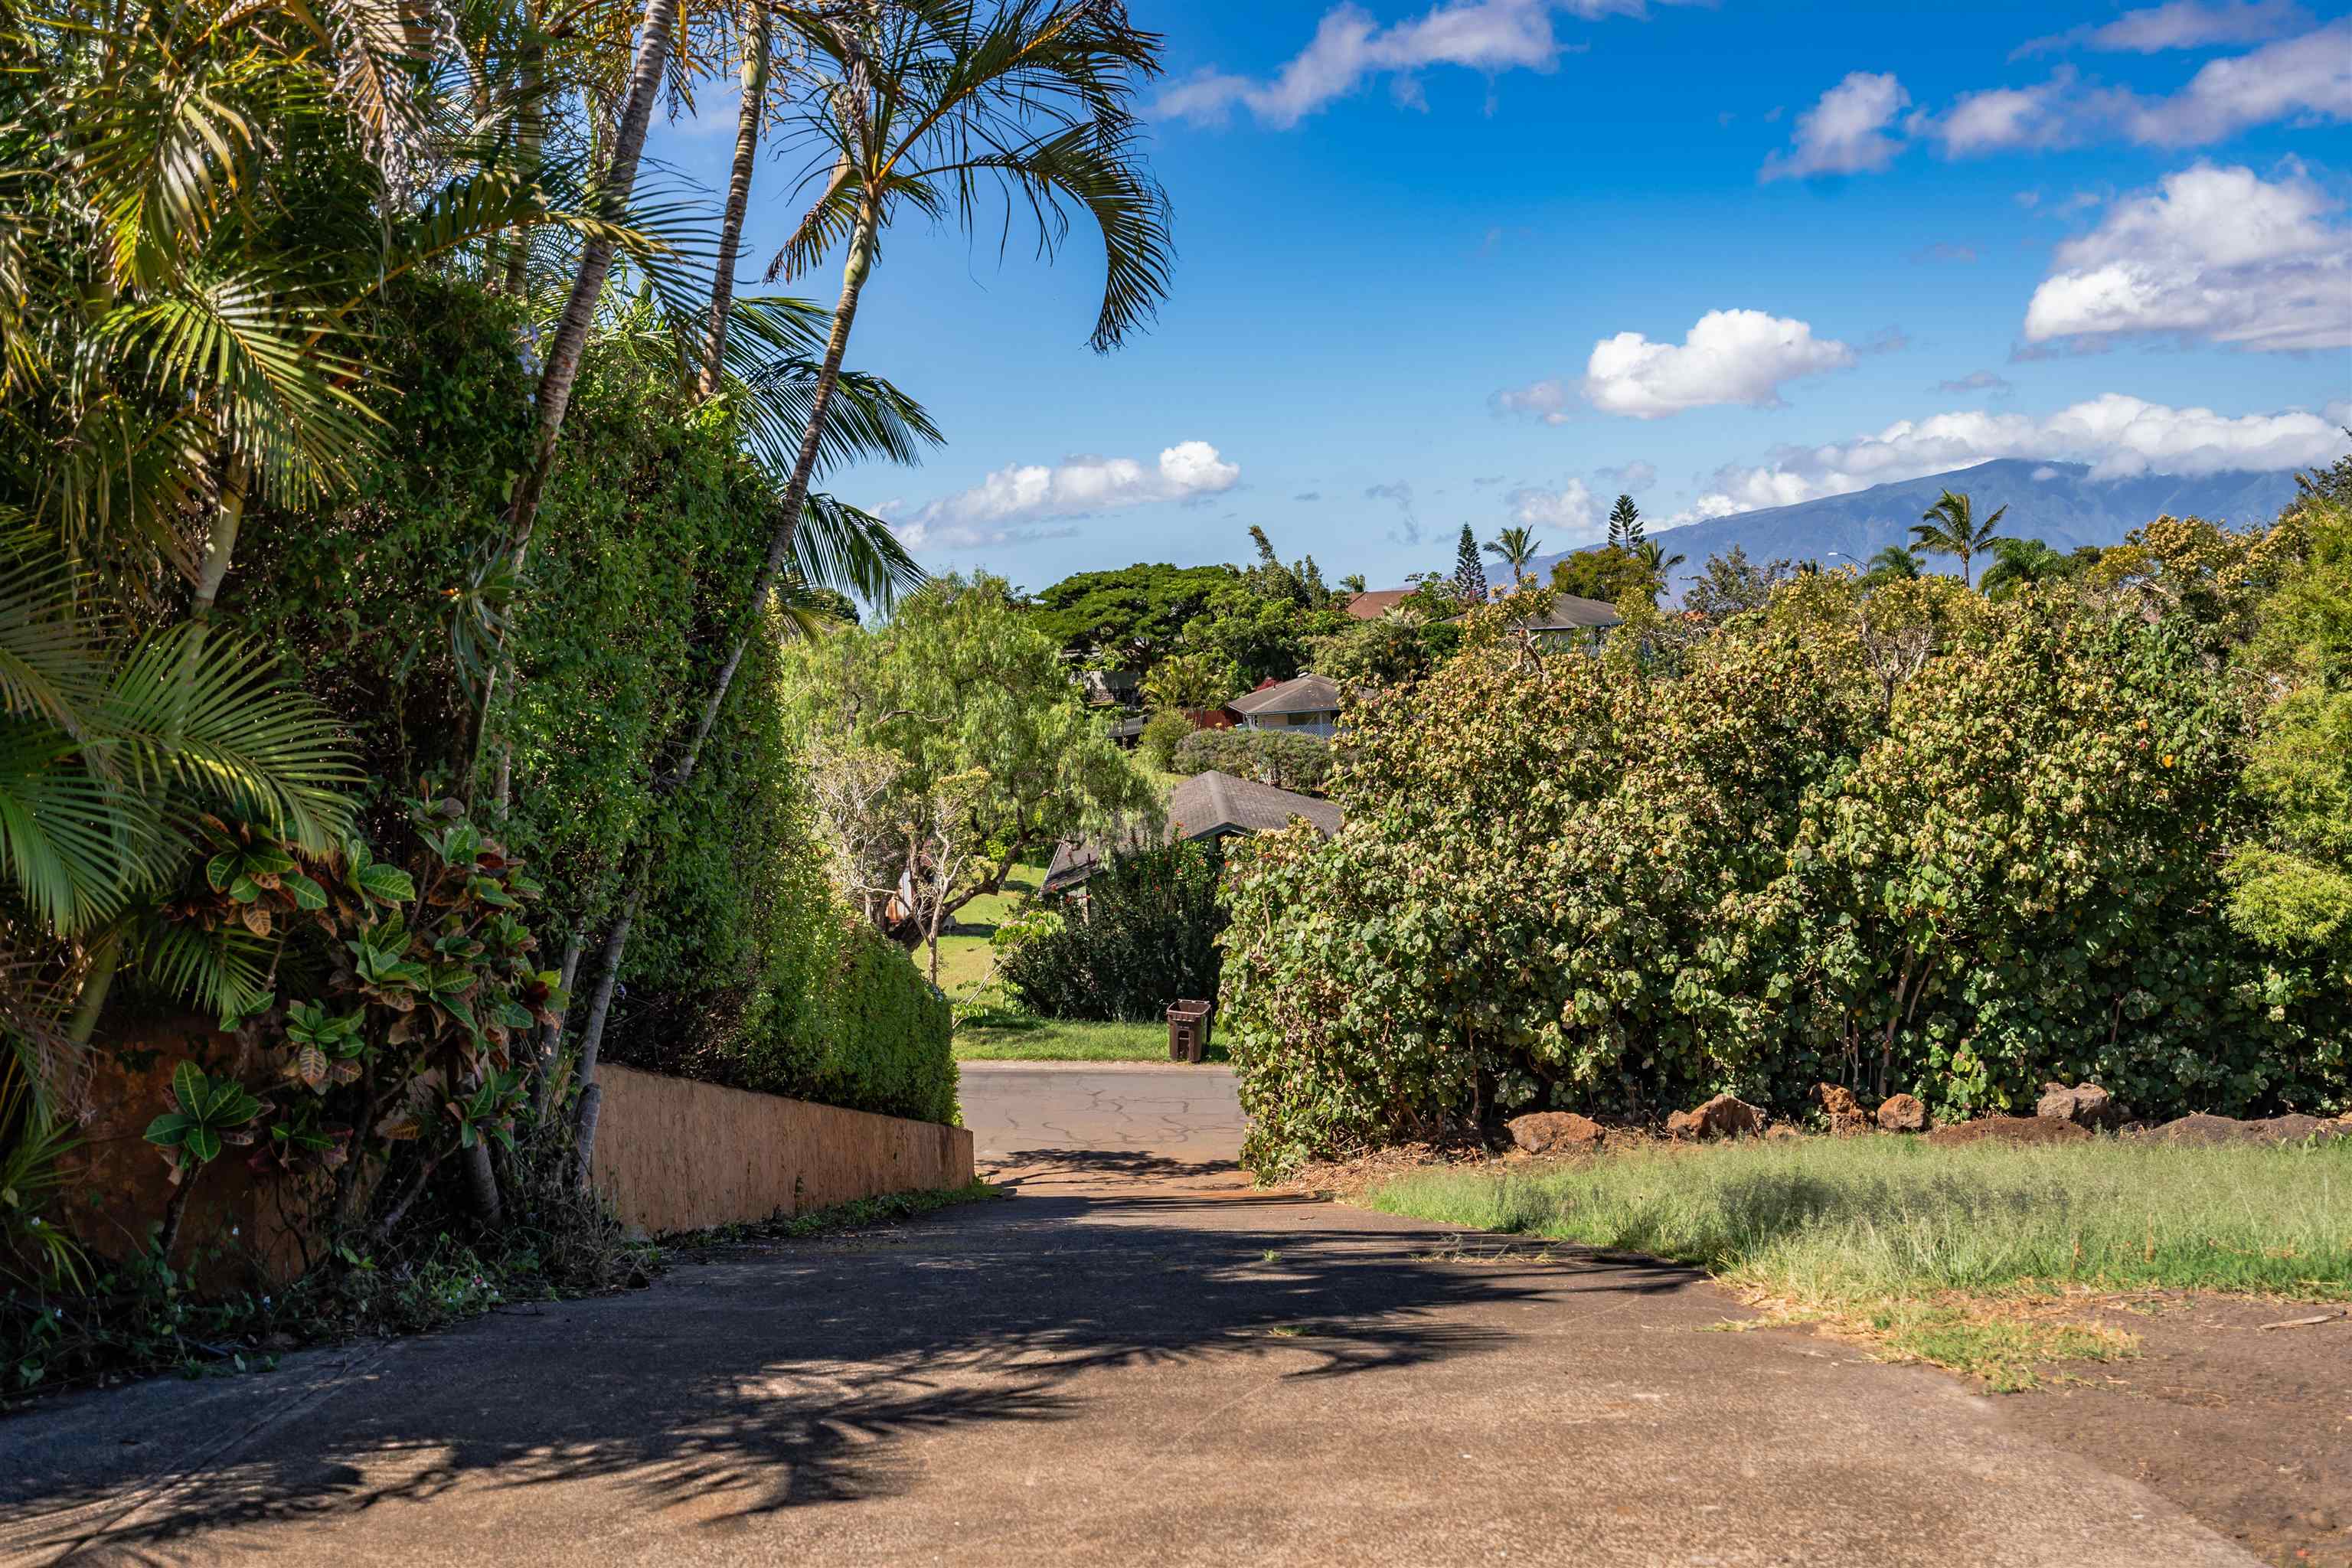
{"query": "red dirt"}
(2248, 1430)
(2009, 1130)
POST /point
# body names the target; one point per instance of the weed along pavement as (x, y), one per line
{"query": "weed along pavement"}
(1135, 1358)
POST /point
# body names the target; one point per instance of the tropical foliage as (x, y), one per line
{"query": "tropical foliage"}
(1905, 837)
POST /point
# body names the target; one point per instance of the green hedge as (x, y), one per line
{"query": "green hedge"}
(1146, 936)
(1571, 882)
(739, 969)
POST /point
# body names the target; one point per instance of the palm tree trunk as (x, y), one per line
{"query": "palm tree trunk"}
(795, 497)
(591, 1038)
(738, 192)
(562, 363)
(530, 132)
(780, 548)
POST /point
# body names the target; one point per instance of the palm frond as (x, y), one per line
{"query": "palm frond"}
(840, 547)
(211, 715)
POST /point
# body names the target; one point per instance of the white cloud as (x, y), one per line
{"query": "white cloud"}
(1846, 131)
(2178, 24)
(2311, 74)
(1729, 356)
(1004, 507)
(2001, 118)
(1350, 46)
(1544, 400)
(2214, 253)
(1636, 475)
(2307, 76)
(2118, 435)
(1568, 508)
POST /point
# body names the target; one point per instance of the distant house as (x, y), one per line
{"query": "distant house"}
(1110, 688)
(1307, 705)
(1572, 623)
(1211, 807)
(1378, 603)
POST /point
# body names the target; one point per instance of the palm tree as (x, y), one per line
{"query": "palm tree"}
(1514, 547)
(1894, 561)
(1949, 528)
(923, 104)
(2023, 563)
(1655, 562)
(927, 105)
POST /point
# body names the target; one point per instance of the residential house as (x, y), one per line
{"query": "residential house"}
(1307, 705)
(1211, 807)
(1571, 624)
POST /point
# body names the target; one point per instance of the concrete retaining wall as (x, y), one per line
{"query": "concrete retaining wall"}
(673, 1154)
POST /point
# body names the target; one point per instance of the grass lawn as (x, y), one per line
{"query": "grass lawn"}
(1054, 1040)
(1963, 1257)
(965, 957)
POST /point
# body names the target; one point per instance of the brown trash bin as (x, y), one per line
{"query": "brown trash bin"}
(1187, 1031)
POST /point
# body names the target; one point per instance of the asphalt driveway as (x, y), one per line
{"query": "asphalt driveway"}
(1129, 1363)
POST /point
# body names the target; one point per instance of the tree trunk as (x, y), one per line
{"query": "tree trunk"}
(738, 192)
(551, 1036)
(780, 543)
(175, 1209)
(563, 352)
(591, 1038)
(530, 132)
(482, 1183)
(561, 367)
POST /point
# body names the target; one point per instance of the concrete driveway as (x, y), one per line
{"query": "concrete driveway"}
(1118, 1365)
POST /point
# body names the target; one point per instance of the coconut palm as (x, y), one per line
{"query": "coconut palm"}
(930, 105)
(1894, 561)
(1949, 528)
(1514, 547)
(2021, 563)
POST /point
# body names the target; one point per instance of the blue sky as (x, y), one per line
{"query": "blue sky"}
(1495, 260)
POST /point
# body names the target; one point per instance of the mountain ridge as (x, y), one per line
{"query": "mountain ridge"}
(2058, 504)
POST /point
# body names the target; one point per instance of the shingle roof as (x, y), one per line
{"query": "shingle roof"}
(1569, 612)
(1305, 694)
(1379, 602)
(1205, 806)
(1214, 801)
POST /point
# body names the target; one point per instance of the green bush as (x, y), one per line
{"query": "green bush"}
(1162, 733)
(1301, 762)
(1569, 882)
(1146, 935)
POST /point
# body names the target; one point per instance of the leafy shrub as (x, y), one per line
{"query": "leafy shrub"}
(854, 1025)
(1145, 935)
(1301, 762)
(1162, 733)
(1567, 882)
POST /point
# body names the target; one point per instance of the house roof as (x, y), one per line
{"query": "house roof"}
(1305, 694)
(1569, 612)
(1372, 605)
(1214, 801)
(1206, 805)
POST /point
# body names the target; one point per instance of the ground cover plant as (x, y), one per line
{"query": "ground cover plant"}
(1957, 1256)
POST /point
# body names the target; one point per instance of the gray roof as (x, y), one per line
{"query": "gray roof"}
(1219, 802)
(1305, 694)
(1569, 612)
(1206, 805)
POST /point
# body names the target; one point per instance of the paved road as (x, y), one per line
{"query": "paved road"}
(1035, 1121)
(1107, 1367)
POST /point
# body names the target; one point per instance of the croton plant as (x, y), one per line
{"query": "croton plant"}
(410, 987)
